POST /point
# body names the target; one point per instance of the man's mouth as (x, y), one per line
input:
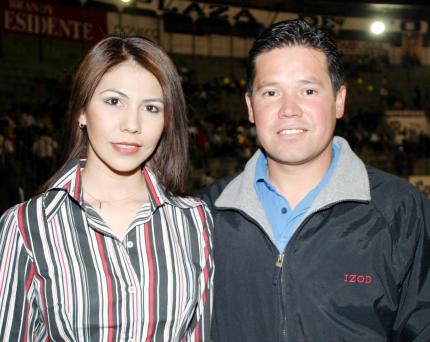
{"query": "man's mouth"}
(291, 131)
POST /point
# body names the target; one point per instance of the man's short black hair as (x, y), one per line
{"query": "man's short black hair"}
(296, 32)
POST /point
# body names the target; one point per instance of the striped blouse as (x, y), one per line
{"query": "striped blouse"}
(65, 277)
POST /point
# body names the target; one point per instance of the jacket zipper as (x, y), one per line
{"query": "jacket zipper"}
(278, 269)
(277, 279)
(277, 276)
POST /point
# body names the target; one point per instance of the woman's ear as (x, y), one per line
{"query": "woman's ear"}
(82, 119)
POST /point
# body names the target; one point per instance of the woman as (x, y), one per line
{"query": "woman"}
(107, 252)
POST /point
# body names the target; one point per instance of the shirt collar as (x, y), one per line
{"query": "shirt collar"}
(261, 168)
(157, 195)
(261, 174)
(69, 180)
(333, 164)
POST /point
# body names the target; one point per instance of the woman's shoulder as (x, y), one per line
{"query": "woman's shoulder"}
(9, 214)
(20, 211)
(187, 202)
(193, 204)
(17, 223)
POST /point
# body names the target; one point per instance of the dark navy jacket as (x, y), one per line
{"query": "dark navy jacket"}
(356, 269)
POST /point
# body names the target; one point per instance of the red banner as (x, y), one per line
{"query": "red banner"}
(52, 20)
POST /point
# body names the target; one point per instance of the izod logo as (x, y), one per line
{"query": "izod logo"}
(357, 279)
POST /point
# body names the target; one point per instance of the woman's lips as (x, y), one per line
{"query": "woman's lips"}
(125, 147)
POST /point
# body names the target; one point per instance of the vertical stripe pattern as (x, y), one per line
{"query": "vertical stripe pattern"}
(64, 276)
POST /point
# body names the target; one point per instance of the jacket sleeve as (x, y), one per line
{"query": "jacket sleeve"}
(200, 326)
(413, 318)
(17, 318)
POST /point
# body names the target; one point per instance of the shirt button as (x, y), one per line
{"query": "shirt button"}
(131, 289)
(130, 244)
(284, 210)
(131, 340)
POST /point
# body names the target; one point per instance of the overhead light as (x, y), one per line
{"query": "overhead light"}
(377, 27)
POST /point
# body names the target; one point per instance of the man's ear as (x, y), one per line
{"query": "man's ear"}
(249, 106)
(340, 102)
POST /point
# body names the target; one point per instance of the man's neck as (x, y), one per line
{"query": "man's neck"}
(294, 182)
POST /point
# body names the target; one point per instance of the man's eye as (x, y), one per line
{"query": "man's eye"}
(113, 101)
(310, 91)
(270, 93)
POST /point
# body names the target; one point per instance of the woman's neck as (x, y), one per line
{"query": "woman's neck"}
(106, 185)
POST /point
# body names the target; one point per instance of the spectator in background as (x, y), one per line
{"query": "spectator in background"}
(27, 120)
(9, 186)
(417, 98)
(45, 150)
(399, 161)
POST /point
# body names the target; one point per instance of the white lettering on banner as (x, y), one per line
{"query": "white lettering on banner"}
(52, 19)
(422, 183)
(197, 9)
(333, 23)
(128, 30)
(51, 26)
(133, 25)
(31, 6)
(266, 17)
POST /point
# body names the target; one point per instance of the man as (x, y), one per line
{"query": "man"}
(311, 244)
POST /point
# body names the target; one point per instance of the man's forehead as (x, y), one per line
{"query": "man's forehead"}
(318, 53)
(280, 59)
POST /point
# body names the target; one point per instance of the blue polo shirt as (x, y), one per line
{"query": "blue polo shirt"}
(282, 218)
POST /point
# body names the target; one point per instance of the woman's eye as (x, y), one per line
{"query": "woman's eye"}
(152, 109)
(310, 91)
(113, 101)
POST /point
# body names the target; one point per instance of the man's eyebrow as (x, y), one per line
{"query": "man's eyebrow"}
(267, 84)
(312, 80)
(303, 81)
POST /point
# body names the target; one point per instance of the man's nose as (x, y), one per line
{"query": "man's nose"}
(290, 107)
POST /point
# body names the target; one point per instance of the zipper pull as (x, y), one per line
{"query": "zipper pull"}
(278, 269)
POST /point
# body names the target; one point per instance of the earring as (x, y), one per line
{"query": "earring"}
(81, 126)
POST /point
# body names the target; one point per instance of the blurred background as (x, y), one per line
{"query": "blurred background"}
(385, 46)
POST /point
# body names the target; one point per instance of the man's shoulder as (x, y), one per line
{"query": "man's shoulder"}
(392, 194)
(212, 191)
(387, 183)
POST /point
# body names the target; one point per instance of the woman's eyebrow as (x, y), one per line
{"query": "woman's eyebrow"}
(115, 91)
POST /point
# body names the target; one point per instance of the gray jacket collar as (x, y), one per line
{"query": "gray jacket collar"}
(349, 182)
